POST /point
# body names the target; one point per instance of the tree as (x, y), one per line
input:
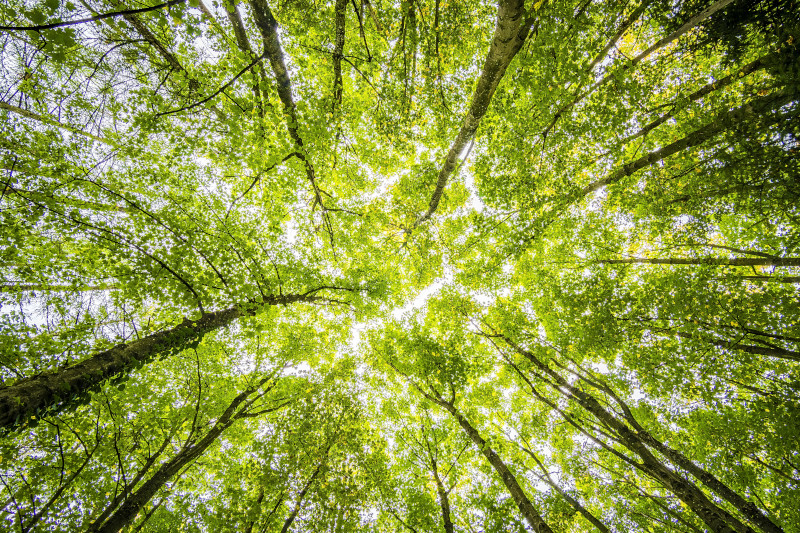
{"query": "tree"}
(400, 266)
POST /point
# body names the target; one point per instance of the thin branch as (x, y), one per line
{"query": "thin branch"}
(92, 19)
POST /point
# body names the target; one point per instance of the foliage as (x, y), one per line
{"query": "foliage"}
(305, 266)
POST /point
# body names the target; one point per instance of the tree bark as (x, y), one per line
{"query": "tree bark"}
(444, 503)
(716, 518)
(748, 509)
(268, 27)
(239, 31)
(572, 501)
(744, 114)
(340, 11)
(694, 21)
(780, 353)
(131, 507)
(299, 501)
(527, 509)
(510, 33)
(52, 122)
(717, 261)
(444, 499)
(53, 390)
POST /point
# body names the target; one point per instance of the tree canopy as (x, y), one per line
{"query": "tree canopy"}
(400, 266)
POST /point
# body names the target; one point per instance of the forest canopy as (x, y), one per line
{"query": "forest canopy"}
(400, 266)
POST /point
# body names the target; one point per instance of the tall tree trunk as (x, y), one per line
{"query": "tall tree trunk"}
(780, 353)
(748, 509)
(268, 26)
(747, 113)
(53, 122)
(53, 390)
(136, 502)
(298, 503)
(716, 518)
(510, 33)
(694, 21)
(444, 499)
(444, 503)
(119, 498)
(527, 509)
(572, 501)
(720, 261)
(340, 11)
(239, 31)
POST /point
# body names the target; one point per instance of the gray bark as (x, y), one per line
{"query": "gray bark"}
(29, 396)
(340, 10)
(268, 27)
(527, 509)
(747, 113)
(717, 519)
(716, 261)
(510, 33)
(134, 504)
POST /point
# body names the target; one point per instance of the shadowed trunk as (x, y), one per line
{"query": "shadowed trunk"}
(716, 518)
(527, 509)
(136, 502)
(53, 390)
(748, 113)
(340, 10)
(509, 35)
(268, 26)
(719, 261)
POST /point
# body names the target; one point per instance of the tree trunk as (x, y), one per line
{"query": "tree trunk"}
(239, 31)
(340, 11)
(745, 114)
(53, 390)
(119, 498)
(720, 261)
(746, 508)
(694, 21)
(444, 499)
(268, 27)
(444, 503)
(747, 348)
(716, 518)
(572, 501)
(52, 122)
(299, 501)
(131, 507)
(509, 36)
(527, 509)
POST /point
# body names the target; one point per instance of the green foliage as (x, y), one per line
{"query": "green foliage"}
(613, 267)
